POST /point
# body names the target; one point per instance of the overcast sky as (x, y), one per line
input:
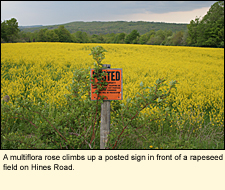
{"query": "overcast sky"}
(61, 12)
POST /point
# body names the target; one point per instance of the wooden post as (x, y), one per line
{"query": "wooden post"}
(105, 119)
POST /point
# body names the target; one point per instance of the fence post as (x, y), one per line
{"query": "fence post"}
(105, 119)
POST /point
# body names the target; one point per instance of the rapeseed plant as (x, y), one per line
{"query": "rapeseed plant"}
(41, 72)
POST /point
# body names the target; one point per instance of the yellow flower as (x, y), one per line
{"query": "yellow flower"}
(41, 71)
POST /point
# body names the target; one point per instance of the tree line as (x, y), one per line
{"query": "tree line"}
(100, 27)
(202, 32)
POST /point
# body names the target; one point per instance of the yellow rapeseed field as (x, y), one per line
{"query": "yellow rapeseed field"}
(41, 71)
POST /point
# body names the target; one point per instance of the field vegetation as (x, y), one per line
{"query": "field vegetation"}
(49, 104)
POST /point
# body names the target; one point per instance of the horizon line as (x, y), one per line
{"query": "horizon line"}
(103, 21)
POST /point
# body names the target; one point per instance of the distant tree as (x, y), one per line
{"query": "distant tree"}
(94, 38)
(63, 34)
(169, 41)
(177, 38)
(116, 39)
(9, 30)
(154, 40)
(120, 38)
(41, 36)
(166, 34)
(144, 38)
(34, 36)
(51, 36)
(86, 38)
(113, 27)
(184, 38)
(193, 31)
(24, 36)
(101, 38)
(159, 37)
(132, 37)
(161, 34)
(110, 38)
(73, 38)
(80, 37)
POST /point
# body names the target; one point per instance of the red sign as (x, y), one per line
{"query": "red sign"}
(114, 89)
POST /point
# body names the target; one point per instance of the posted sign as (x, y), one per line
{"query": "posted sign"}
(114, 89)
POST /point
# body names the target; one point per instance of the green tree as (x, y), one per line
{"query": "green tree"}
(9, 30)
(184, 38)
(34, 36)
(154, 40)
(193, 32)
(167, 34)
(119, 38)
(161, 35)
(169, 41)
(51, 36)
(144, 38)
(151, 35)
(209, 31)
(94, 38)
(177, 38)
(63, 34)
(41, 36)
(110, 38)
(101, 38)
(24, 36)
(132, 37)
(211, 26)
(4, 31)
(80, 37)
(157, 38)
(86, 38)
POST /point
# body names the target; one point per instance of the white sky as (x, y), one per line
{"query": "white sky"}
(61, 12)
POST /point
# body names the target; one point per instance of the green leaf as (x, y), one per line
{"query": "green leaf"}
(167, 109)
(159, 99)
